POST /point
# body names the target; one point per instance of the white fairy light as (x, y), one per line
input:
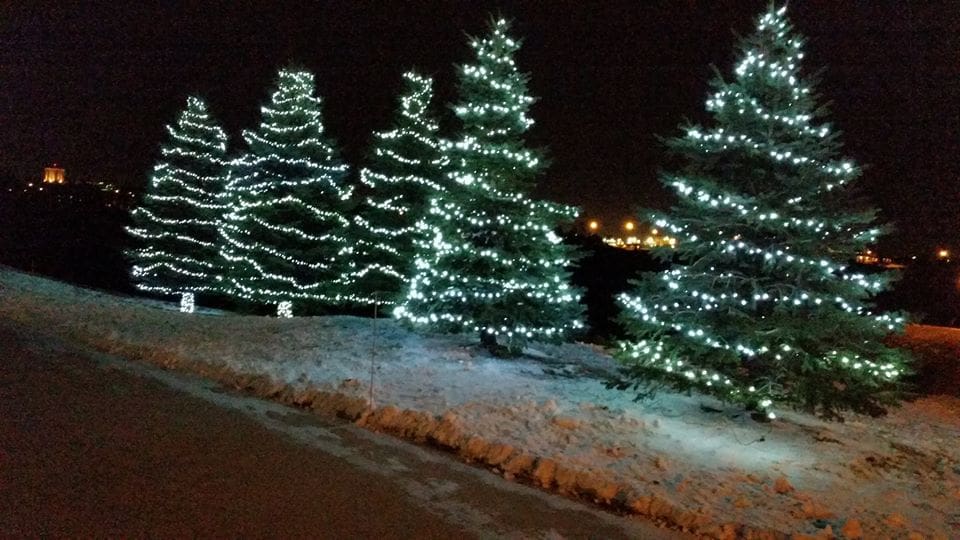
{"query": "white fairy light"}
(175, 227)
(754, 256)
(488, 259)
(406, 172)
(186, 302)
(285, 230)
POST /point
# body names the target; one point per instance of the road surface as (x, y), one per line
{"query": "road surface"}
(98, 446)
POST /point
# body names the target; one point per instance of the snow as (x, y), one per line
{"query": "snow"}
(548, 417)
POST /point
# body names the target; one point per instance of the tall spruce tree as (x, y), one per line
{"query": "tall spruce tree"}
(764, 309)
(489, 261)
(175, 226)
(284, 233)
(405, 171)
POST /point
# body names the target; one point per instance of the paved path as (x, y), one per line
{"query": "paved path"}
(91, 445)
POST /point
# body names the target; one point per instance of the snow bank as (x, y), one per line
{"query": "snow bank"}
(548, 419)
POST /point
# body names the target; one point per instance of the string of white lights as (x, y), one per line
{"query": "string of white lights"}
(754, 256)
(488, 260)
(283, 228)
(176, 224)
(406, 170)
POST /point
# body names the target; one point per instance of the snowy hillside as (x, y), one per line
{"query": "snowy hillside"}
(548, 418)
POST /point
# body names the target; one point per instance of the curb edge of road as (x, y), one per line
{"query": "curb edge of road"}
(445, 433)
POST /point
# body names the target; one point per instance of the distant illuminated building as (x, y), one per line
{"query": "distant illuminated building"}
(872, 258)
(630, 242)
(653, 240)
(54, 175)
(56, 190)
(868, 257)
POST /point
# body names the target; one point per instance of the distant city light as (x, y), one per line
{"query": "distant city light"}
(629, 226)
(632, 242)
(593, 225)
(54, 175)
(943, 253)
(868, 257)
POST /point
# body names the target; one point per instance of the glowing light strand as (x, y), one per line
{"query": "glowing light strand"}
(283, 232)
(406, 170)
(175, 227)
(759, 272)
(486, 220)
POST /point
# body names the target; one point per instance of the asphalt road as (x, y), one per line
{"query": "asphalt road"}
(98, 446)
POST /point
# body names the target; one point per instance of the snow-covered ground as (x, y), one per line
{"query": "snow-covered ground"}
(549, 419)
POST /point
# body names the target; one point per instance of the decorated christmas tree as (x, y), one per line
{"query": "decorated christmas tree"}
(763, 308)
(285, 230)
(489, 260)
(175, 227)
(405, 171)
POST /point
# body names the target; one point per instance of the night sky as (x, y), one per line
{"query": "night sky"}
(90, 85)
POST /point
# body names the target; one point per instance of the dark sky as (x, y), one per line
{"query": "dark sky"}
(90, 85)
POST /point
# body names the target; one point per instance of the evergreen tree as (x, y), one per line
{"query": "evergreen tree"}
(405, 171)
(490, 261)
(764, 308)
(284, 233)
(175, 227)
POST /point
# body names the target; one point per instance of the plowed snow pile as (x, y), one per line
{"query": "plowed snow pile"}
(548, 417)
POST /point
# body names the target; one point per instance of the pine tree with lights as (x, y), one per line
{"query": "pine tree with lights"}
(405, 171)
(489, 260)
(763, 309)
(285, 230)
(176, 226)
